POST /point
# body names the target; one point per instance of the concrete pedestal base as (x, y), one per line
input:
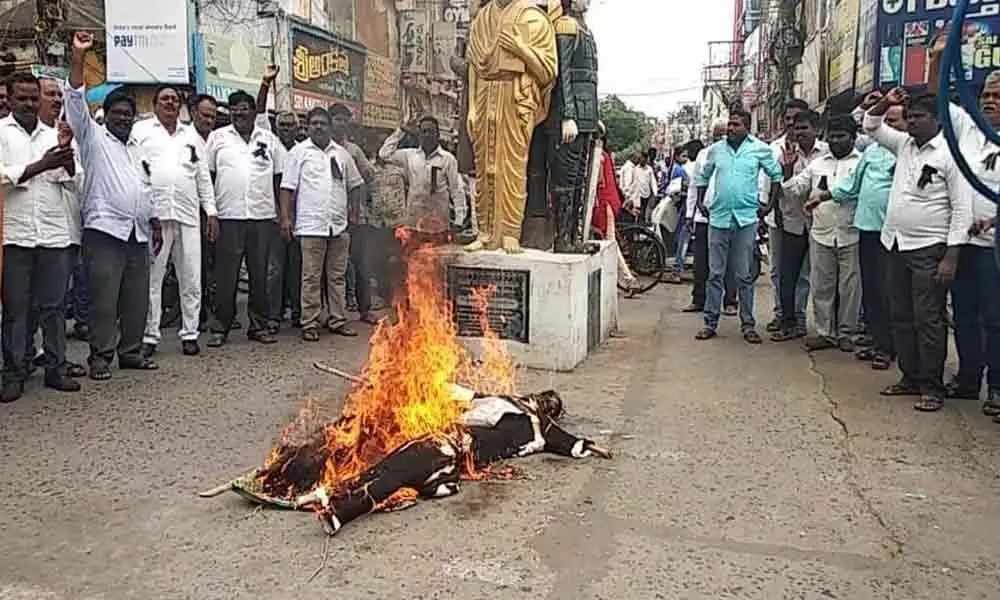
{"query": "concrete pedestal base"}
(551, 309)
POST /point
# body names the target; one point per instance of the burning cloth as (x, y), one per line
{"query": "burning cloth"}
(496, 427)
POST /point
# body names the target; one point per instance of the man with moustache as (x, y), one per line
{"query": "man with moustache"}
(39, 232)
(203, 109)
(284, 264)
(181, 188)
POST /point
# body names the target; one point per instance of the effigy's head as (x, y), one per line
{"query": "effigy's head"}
(550, 404)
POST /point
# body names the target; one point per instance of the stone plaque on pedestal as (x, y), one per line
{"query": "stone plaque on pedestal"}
(507, 307)
(552, 310)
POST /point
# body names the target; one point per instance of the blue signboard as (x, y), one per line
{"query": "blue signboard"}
(906, 29)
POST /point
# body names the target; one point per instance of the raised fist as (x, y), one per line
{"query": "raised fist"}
(896, 95)
(83, 41)
(270, 73)
(871, 99)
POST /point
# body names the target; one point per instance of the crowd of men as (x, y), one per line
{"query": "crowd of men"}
(871, 227)
(101, 211)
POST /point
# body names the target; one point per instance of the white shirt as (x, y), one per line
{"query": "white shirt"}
(917, 217)
(793, 220)
(177, 172)
(116, 197)
(986, 166)
(627, 177)
(320, 200)
(832, 222)
(643, 184)
(38, 213)
(244, 172)
(434, 187)
(692, 197)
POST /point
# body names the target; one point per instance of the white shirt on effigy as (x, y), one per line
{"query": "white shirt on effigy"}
(178, 174)
(244, 172)
(37, 213)
(832, 222)
(320, 200)
(917, 217)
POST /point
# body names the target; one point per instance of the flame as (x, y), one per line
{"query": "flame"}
(407, 392)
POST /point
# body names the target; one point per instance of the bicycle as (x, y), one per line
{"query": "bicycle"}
(645, 255)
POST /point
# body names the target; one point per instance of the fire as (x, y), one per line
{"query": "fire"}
(407, 391)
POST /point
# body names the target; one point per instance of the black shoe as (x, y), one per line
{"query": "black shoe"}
(11, 392)
(39, 360)
(273, 327)
(190, 348)
(147, 351)
(137, 364)
(961, 390)
(774, 326)
(80, 332)
(61, 382)
(236, 325)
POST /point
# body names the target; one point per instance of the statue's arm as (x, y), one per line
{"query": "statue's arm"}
(533, 40)
(567, 30)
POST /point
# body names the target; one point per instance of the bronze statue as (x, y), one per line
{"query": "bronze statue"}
(563, 144)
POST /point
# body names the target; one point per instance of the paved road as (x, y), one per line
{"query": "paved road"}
(740, 473)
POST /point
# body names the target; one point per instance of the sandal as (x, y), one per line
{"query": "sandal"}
(752, 337)
(705, 334)
(310, 335)
(881, 361)
(865, 354)
(100, 372)
(929, 403)
(991, 409)
(903, 388)
(785, 335)
(139, 364)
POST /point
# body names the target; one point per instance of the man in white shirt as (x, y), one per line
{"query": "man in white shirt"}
(641, 193)
(38, 233)
(181, 188)
(435, 194)
(204, 111)
(833, 244)
(327, 190)
(698, 224)
(775, 234)
(118, 223)
(284, 263)
(927, 222)
(246, 161)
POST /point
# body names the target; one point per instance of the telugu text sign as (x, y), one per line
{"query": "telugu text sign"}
(147, 42)
(325, 71)
(381, 81)
(413, 40)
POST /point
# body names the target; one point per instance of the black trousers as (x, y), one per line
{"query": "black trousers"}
(874, 259)
(701, 270)
(239, 239)
(362, 263)
(34, 278)
(118, 274)
(794, 250)
(918, 305)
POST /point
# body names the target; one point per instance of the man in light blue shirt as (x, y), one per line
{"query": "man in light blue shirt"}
(732, 217)
(869, 185)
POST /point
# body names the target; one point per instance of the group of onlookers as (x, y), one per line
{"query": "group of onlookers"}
(871, 229)
(111, 210)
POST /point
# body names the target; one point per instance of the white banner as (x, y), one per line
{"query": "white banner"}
(147, 42)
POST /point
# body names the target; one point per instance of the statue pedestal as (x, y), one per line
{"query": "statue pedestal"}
(550, 309)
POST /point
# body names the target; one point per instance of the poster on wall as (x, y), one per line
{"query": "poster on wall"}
(381, 97)
(326, 71)
(867, 51)
(413, 34)
(147, 42)
(843, 38)
(443, 45)
(233, 63)
(906, 30)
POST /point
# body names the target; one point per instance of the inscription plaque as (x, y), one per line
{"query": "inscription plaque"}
(507, 309)
(593, 309)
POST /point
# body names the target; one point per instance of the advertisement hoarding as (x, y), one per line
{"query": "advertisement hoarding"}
(147, 42)
(843, 45)
(867, 52)
(906, 29)
(326, 71)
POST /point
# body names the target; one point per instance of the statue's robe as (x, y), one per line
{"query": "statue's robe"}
(512, 67)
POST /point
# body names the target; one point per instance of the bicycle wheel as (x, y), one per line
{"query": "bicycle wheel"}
(645, 256)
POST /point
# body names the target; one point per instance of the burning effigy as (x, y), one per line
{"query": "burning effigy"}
(422, 416)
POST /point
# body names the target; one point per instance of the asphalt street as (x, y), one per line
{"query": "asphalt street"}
(740, 472)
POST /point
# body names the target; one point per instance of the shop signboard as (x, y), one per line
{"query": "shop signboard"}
(147, 42)
(843, 45)
(232, 63)
(867, 54)
(325, 71)
(381, 97)
(907, 28)
(414, 31)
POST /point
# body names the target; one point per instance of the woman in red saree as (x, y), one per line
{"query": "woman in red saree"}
(608, 205)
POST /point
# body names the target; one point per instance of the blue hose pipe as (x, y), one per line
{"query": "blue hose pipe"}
(952, 64)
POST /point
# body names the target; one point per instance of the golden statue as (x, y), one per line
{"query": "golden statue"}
(512, 59)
